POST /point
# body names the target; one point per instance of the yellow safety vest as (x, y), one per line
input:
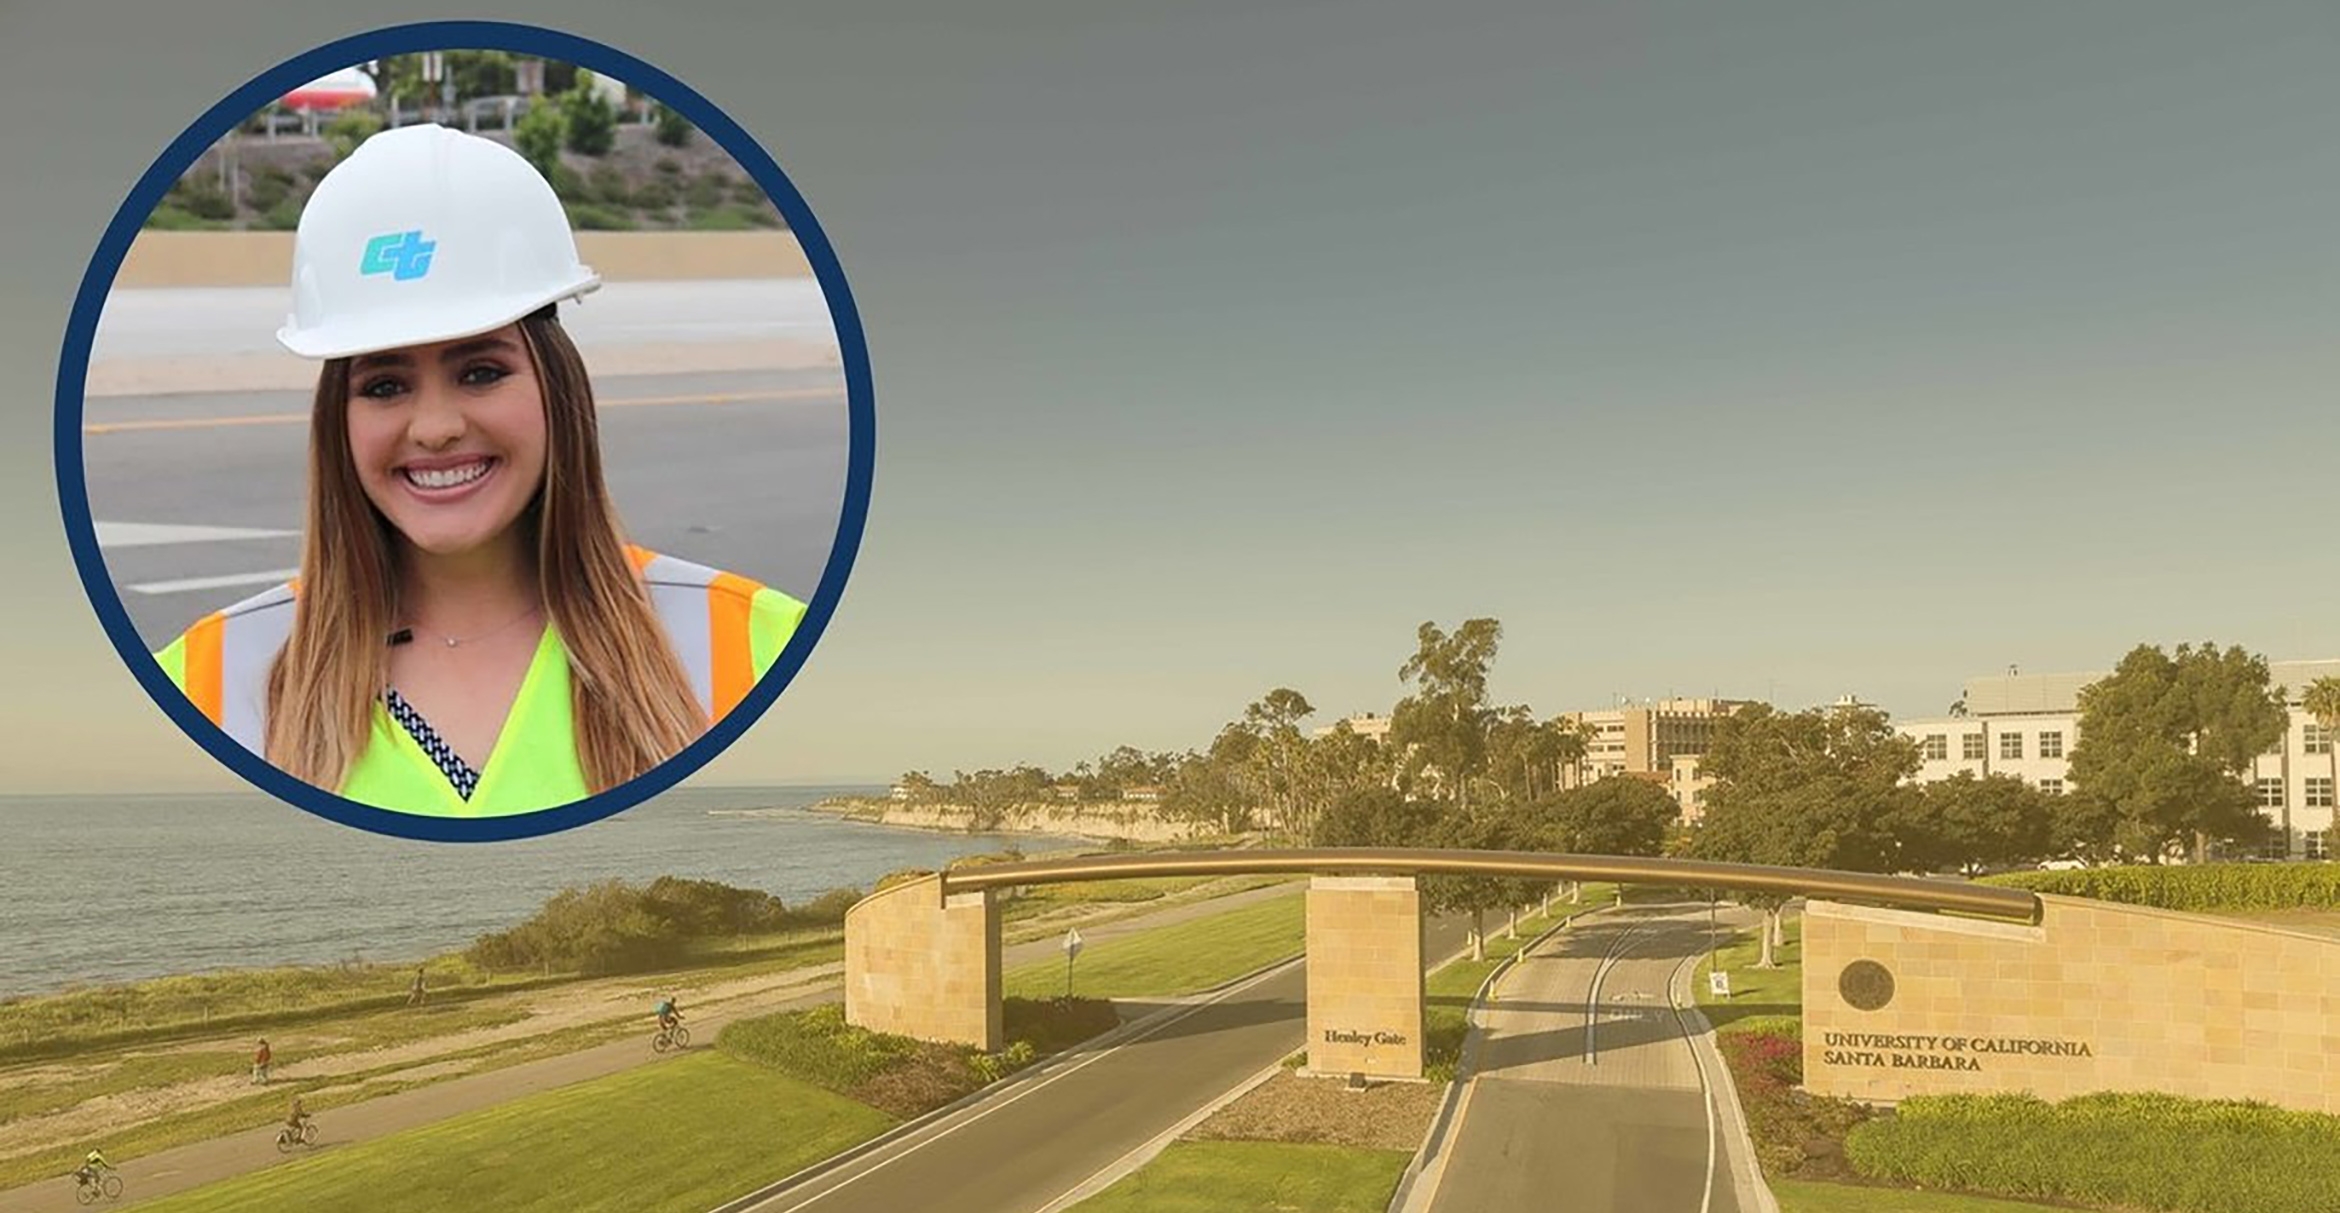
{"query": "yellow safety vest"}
(726, 629)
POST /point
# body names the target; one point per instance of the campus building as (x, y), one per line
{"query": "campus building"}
(2025, 725)
(1365, 725)
(1658, 740)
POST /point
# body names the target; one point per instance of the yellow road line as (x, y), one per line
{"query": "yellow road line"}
(205, 423)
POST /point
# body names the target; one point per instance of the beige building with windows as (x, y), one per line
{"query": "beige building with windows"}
(1659, 740)
(2025, 725)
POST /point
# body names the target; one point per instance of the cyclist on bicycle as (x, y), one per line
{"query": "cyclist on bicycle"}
(93, 1164)
(668, 1016)
(296, 1116)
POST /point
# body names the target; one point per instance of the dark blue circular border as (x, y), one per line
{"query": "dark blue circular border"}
(73, 370)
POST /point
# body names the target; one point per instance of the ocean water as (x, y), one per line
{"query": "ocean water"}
(110, 889)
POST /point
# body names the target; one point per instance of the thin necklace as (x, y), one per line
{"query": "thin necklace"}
(405, 634)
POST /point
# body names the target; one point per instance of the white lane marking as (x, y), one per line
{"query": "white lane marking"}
(1592, 1000)
(188, 584)
(1067, 1072)
(112, 535)
(1697, 1063)
(1126, 1165)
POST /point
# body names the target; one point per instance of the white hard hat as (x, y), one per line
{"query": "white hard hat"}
(426, 234)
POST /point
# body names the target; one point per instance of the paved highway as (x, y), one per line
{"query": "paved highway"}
(1019, 1152)
(1587, 1097)
(198, 495)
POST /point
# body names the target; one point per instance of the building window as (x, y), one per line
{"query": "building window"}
(2313, 844)
(1937, 747)
(2010, 745)
(2051, 745)
(1972, 746)
(2277, 846)
(2053, 787)
(2270, 793)
(2315, 738)
(2319, 792)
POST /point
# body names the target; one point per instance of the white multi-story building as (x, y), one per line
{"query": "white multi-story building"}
(2026, 725)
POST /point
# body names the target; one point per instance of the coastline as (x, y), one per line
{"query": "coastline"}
(1114, 823)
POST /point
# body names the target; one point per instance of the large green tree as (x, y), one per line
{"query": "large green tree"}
(1970, 824)
(1525, 755)
(1488, 826)
(1820, 788)
(1278, 760)
(1342, 762)
(1376, 817)
(1439, 731)
(2163, 739)
(1620, 815)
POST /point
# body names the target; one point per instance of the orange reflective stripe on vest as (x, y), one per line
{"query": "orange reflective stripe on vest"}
(730, 601)
(706, 613)
(203, 677)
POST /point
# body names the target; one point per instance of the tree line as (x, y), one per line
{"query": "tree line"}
(2154, 775)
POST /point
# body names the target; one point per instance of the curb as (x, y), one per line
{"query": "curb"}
(1420, 1182)
(1753, 1193)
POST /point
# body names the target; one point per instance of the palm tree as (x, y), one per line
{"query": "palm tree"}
(2322, 701)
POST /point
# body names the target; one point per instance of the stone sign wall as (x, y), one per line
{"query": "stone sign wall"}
(1365, 976)
(2097, 997)
(924, 966)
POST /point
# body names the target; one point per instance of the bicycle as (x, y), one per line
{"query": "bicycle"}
(89, 1188)
(289, 1139)
(677, 1037)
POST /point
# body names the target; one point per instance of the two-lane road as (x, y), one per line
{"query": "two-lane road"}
(1020, 1151)
(1587, 1096)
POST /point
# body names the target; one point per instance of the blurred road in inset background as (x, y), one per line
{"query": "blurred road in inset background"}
(723, 423)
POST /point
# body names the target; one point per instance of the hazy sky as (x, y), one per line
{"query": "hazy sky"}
(1786, 349)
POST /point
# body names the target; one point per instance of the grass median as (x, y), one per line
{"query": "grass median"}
(1256, 1177)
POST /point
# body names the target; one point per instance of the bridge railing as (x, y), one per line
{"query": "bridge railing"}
(1900, 892)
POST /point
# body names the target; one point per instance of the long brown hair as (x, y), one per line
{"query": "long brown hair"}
(632, 704)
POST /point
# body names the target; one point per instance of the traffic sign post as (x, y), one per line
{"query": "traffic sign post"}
(1072, 948)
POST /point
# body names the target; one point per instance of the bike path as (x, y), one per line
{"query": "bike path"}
(183, 1167)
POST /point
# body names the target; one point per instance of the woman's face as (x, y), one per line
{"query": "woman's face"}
(448, 438)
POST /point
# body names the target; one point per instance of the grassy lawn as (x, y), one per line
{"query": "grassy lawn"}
(682, 1136)
(1799, 1196)
(1179, 959)
(319, 1094)
(1261, 1176)
(1755, 992)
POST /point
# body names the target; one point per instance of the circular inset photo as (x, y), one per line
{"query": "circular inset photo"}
(464, 431)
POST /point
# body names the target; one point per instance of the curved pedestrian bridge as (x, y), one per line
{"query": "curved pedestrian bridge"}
(922, 958)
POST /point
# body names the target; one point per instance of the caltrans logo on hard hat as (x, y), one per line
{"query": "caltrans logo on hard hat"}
(366, 272)
(402, 255)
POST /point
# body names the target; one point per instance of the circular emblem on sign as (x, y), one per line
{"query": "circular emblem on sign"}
(1866, 984)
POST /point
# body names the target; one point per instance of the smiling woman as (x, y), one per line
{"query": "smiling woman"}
(469, 635)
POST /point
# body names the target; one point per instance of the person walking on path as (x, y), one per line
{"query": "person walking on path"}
(260, 1059)
(415, 994)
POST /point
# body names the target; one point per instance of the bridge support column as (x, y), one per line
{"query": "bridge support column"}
(1365, 976)
(921, 965)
